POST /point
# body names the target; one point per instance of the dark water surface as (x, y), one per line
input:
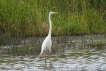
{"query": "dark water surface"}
(74, 53)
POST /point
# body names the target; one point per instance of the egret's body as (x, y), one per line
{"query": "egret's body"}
(47, 43)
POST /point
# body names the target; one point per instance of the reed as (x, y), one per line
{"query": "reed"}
(29, 17)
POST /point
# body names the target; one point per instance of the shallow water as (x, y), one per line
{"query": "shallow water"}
(70, 60)
(75, 53)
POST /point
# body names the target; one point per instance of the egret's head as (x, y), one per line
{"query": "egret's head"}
(53, 13)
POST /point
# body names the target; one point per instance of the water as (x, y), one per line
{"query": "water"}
(70, 60)
(75, 53)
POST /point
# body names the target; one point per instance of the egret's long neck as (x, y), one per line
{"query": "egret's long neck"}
(50, 24)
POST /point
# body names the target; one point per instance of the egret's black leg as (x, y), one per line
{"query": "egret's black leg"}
(45, 57)
(50, 56)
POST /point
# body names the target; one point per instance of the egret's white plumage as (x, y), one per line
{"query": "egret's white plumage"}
(47, 43)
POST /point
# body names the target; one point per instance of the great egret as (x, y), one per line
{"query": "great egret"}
(47, 43)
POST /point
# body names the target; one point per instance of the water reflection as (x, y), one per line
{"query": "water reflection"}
(75, 53)
(81, 60)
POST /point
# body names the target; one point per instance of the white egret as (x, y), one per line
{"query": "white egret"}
(47, 43)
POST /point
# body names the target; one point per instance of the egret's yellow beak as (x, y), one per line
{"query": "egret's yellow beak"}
(55, 13)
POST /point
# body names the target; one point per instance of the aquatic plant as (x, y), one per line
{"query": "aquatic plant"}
(29, 17)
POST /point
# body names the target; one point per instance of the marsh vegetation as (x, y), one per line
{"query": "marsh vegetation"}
(30, 17)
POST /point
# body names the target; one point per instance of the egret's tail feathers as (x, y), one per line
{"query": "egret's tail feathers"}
(40, 55)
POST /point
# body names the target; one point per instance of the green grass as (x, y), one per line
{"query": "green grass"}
(20, 51)
(98, 46)
(30, 17)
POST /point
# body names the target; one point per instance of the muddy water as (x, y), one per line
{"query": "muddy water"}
(75, 53)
